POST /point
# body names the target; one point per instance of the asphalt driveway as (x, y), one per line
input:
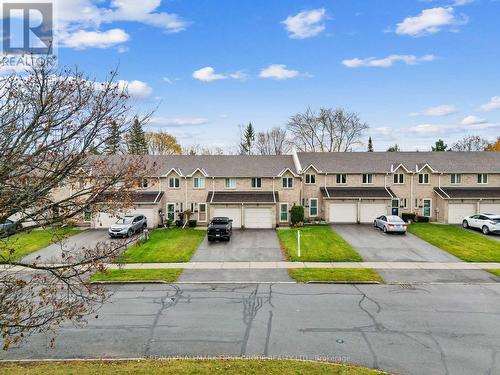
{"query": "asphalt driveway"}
(375, 246)
(245, 246)
(71, 247)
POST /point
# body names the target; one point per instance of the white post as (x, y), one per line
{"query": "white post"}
(298, 239)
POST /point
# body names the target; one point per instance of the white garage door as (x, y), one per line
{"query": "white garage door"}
(343, 212)
(258, 218)
(370, 211)
(103, 220)
(490, 208)
(233, 213)
(457, 212)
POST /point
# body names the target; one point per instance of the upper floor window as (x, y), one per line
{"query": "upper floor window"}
(287, 182)
(310, 179)
(341, 179)
(174, 182)
(423, 178)
(256, 182)
(456, 178)
(143, 183)
(199, 182)
(367, 178)
(482, 178)
(399, 178)
(230, 183)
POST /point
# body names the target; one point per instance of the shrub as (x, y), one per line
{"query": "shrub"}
(408, 216)
(422, 219)
(179, 223)
(297, 214)
(192, 223)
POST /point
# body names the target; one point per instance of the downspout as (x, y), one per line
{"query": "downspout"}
(411, 191)
(185, 201)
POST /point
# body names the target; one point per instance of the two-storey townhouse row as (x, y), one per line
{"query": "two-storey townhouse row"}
(359, 186)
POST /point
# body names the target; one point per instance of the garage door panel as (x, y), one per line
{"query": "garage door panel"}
(490, 208)
(233, 213)
(457, 212)
(103, 220)
(370, 211)
(343, 212)
(258, 218)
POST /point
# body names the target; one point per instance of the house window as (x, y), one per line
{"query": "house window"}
(193, 207)
(199, 182)
(482, 178)
(399, 178)
(284, 212)
(87, 215)
(313, 207)
(404, 203)
(81, 183)
(417, 203)
(256, 182)
(423, 178)
(287, 182)
(174, 182)
(456, 179)
(310, 179)
(367, 178)
(143, 183)
(341, 179)
(230, 183)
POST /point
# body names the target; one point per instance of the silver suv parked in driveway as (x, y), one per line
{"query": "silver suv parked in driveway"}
(128, 226)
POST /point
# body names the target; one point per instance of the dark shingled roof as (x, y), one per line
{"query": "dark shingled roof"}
(356, 192)
(468, 192)
(382, 162)
(145, 197)
(243, 197)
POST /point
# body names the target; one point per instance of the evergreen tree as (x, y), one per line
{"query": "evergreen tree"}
(370, 145)
(440, 146)
(136, 139)
(247, 141)
(113, 143)
(394, 148)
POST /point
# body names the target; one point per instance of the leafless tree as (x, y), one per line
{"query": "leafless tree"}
(272, 142)
(51, 125)
(470, 143)
(329, 130)
(200, 150)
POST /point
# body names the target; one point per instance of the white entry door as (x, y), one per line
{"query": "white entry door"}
(343, 213)
(457, 212)
(233, 213)
(370, 211)
(258, 218)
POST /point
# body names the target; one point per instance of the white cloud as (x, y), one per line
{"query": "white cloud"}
(163, 121)
(137, 89)
(429, 21)
(240, 75)
(95, 39)
(207, 74)
(459, 3)
(386, 62)
(440, 110)
(279, 72)
(473, 120)
(305, 24)
(493, 104)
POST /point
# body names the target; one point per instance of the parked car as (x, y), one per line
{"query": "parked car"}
(487, 223)
(390, 224)
(8, 228)
(220, 228)
(128, 226)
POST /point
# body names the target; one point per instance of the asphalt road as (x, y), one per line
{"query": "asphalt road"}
(376, 246)
(432, 329)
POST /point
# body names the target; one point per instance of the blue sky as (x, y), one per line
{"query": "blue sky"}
(415, 71)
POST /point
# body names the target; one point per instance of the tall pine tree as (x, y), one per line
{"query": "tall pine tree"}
(247, 141)
(370, 145)
(114, 142)
(136, 139)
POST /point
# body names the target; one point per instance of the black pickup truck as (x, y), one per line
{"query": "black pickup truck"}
(220, 228)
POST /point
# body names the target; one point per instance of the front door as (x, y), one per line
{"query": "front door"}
(202, 212)
(171, 211)
(395, 207)
(427, 207)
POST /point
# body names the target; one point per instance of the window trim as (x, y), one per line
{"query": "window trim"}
(481, 180)
(287, 213)
(202, 186)
(178, 183)
(459, 175)
(311, 176)
(255, 179)
(310, 206)
(339, 177)
(367, 179)
(404, 203)
(229, 179)
(287, 179)
(399, 178)
(423, 178)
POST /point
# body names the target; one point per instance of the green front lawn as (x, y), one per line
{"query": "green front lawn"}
(464, 244)
(21, 244)
(166, 246)
(347, 275)
(495, 272)
(318, 244)
(169, 275)
(184, 367)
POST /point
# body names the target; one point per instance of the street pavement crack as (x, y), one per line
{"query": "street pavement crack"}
(251, 305)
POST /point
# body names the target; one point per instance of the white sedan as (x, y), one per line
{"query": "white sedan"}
(487, 223)
(390, 224)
